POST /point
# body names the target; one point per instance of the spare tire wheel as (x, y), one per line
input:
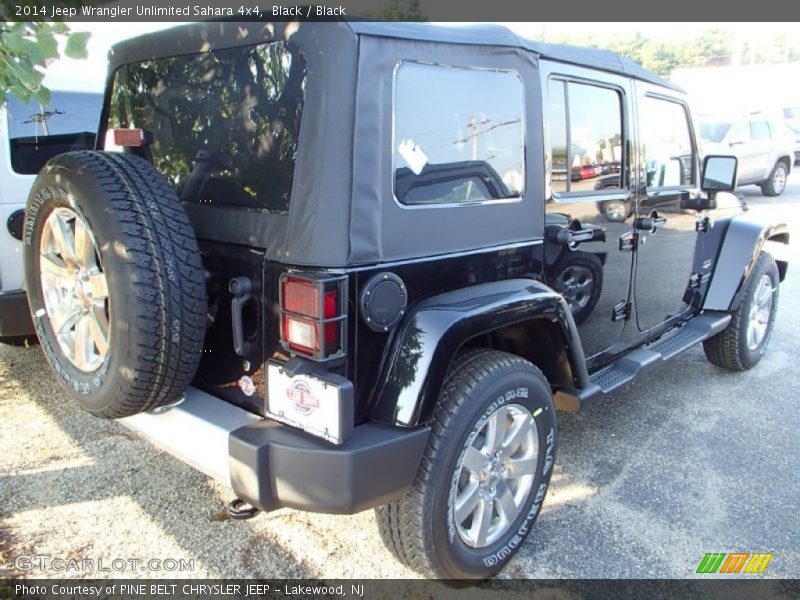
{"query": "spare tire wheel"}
(115, 282)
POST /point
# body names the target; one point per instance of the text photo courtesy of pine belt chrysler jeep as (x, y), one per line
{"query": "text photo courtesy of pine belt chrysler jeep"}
(339, 266)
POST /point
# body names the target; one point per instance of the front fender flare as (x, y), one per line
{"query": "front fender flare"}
(436, 328)
(744, 239)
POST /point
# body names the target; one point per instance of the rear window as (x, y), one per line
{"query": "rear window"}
(38, 132)
(458, 135)
(714, 132)
(225, 123)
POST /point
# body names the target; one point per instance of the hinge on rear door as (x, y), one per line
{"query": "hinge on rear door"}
(697, 279)
(628, 241)
(621, 311)
(702, 224)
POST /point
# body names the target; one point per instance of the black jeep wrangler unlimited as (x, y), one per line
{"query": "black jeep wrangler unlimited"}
(343, 266)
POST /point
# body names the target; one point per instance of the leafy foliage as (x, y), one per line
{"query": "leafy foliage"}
(240, 105)
(711, 48)
(26, 49)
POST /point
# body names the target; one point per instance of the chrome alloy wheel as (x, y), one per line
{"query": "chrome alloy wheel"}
(760, 311)
(779, 180)
(75, 289)
(495, 475)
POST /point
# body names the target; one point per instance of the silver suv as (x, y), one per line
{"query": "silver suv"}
(764, 150)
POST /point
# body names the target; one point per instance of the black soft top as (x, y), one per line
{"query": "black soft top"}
(197, 37)
(343, 211)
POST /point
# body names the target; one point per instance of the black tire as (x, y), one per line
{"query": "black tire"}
(419, 528)
(776, 183)
(156, 296)
(729, 349)
(578, 276)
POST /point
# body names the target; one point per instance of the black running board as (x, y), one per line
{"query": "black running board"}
(627, 368)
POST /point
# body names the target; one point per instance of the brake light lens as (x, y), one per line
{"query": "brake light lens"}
(311, 319)
(132, 138)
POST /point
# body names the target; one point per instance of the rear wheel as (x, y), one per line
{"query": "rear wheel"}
(742, 344)
(484, 474)
(114, 280)
(578, 276)
(776, 183)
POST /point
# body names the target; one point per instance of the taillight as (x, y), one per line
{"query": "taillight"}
(132, 138)
(313, 315)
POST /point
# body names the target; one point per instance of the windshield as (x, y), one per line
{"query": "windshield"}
(714, 132)
(38, 132)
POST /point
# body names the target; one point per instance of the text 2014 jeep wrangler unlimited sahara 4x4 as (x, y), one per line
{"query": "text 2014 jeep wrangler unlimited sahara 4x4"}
(363, 246)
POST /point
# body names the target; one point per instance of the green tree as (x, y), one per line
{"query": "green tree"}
(26, 49)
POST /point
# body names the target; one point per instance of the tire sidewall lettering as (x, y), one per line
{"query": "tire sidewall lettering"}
(492, 558)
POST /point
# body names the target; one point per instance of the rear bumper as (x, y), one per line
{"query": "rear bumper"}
(271, 465)
(15, 315)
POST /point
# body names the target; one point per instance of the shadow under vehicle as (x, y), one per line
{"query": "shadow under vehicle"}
(333, 265)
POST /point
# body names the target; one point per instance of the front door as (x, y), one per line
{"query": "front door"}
(668, 172)
(588, 146)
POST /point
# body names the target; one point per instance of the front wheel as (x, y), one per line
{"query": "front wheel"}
(776, 183)
(484, 474)
(742, 344)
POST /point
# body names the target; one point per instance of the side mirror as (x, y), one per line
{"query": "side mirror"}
(719, 174)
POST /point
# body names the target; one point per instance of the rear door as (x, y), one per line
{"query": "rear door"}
(741, 145)
(667, 154)
(587, 145)
(762, 147)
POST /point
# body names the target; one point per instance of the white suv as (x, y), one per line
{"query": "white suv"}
(764, 150)
(31, 134)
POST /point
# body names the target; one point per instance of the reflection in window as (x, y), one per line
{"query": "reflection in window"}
(225, 122)
(459, 135)
(668, 154)
(558, 138)
(39, 132)
(585, 137)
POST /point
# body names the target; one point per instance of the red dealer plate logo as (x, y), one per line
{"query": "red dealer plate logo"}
(304, 401)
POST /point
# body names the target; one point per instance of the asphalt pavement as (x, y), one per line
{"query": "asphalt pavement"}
(687, 460)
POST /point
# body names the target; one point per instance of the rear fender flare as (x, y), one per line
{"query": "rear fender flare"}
(435, 330)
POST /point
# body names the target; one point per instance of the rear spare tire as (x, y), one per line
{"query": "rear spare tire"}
(115, 282)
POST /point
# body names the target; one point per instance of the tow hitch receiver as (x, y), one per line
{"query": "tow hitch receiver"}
(241, 511)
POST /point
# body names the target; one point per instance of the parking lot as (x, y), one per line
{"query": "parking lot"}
(687, 460)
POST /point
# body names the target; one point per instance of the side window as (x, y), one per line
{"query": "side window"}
(759, 131)
(740, 134)
(458, 135)
(585, 137)
(668, 151)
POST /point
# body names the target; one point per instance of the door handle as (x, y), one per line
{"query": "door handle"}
(650, 223)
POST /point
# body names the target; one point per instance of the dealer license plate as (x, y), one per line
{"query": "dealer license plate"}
(306, 402)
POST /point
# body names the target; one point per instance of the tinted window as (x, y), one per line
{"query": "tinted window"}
(668, 152)
(759, 130)
(458, 135)
(225, 123)
(585, 137)
(37, 132)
